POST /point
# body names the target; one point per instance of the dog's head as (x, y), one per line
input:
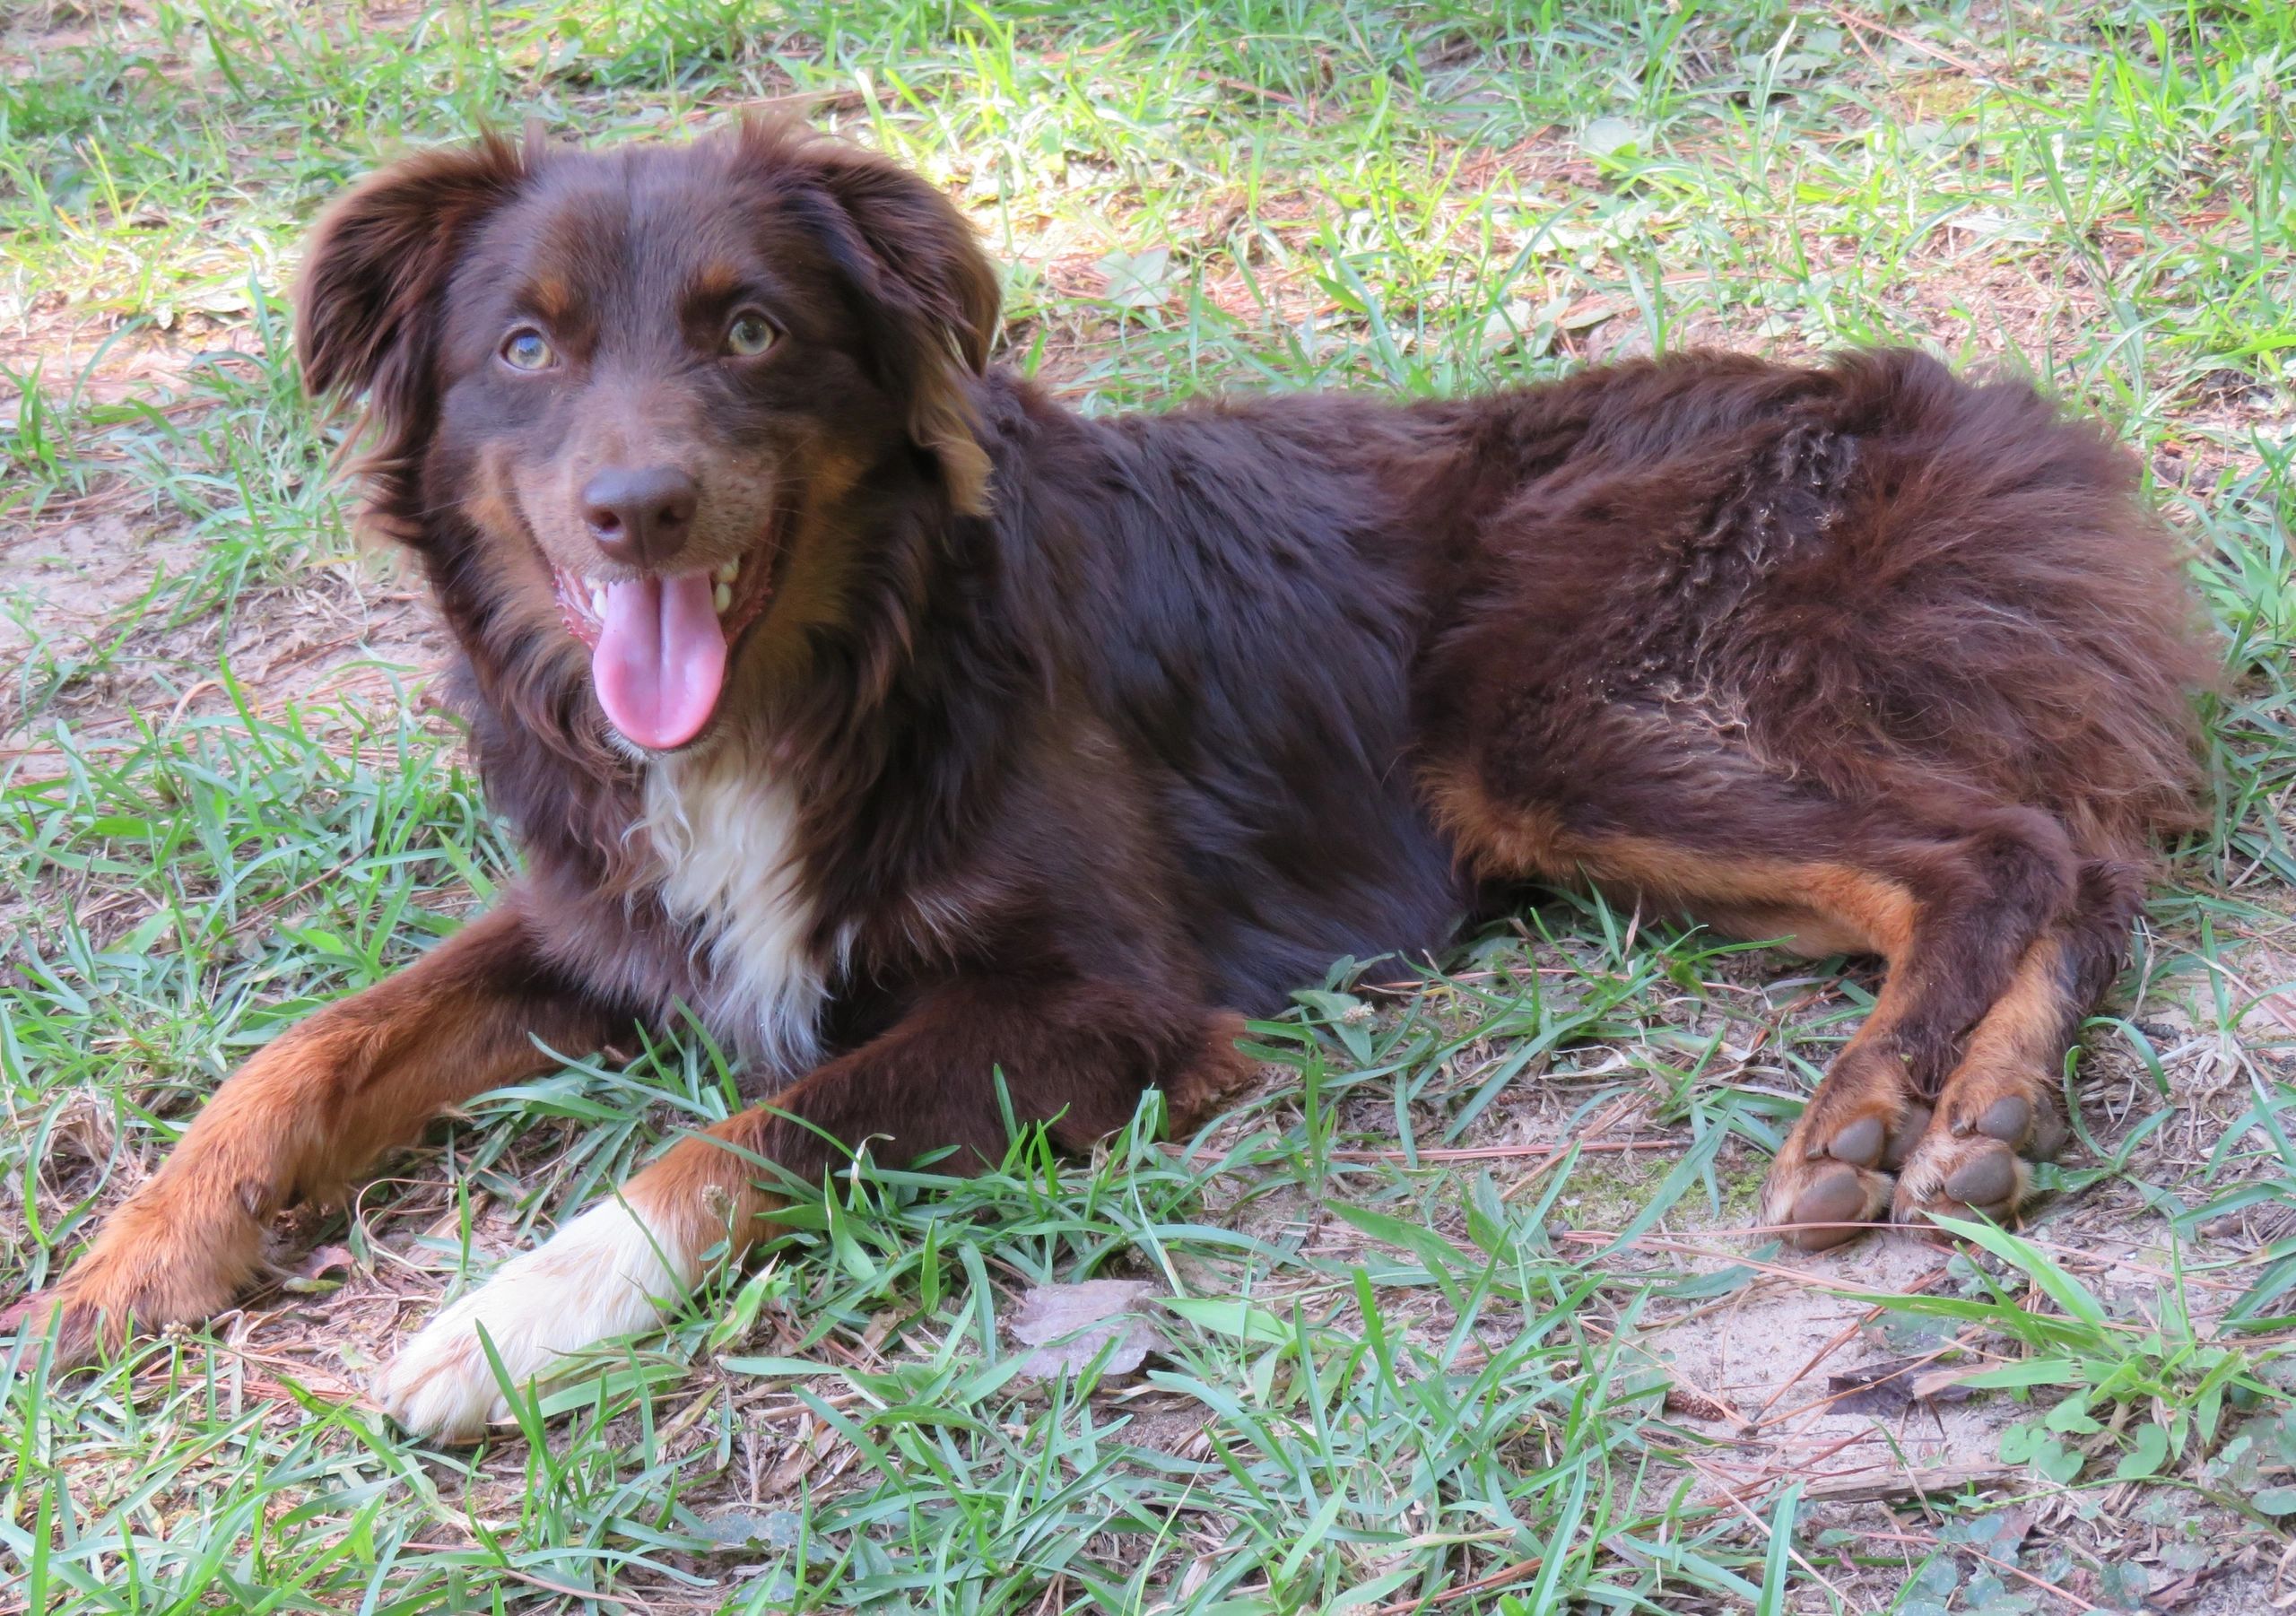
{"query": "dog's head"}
(638, 376)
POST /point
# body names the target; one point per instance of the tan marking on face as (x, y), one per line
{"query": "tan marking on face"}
(492, 503)
(815, 585)
(552, 299)
(716, 278)
(520, 576)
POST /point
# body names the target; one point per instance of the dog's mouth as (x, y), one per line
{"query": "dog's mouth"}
(660, 643)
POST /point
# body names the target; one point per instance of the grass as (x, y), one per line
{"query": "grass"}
(1463, 1324)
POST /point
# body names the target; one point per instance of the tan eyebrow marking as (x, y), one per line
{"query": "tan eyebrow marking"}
(717, 280)
(551, 298)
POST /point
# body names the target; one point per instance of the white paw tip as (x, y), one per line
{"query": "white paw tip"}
(442, 1386)
(602, 1275)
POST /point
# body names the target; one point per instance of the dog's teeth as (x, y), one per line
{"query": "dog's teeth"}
(598, 600)
(723, 595)
(730, 570)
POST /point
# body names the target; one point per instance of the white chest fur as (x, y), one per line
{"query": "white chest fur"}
(724, 832)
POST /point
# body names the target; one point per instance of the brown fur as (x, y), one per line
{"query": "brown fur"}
(1100, 732)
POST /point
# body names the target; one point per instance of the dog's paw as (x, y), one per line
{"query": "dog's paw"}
(1819, 1202)
(79, 1329)
(1836, 1173)
(142, 1273)
(606, 1273)
(1977, 1158)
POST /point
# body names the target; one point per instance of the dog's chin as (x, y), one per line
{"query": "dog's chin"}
(713, 737)
(699, 746)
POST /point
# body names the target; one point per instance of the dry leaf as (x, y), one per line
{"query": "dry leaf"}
(310, 1275)
(1070, 1325)
(1895, 1385)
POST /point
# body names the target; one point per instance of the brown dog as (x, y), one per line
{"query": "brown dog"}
(907, 728)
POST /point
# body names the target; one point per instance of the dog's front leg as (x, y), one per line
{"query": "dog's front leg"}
(1075, 1056)
(304, 1118)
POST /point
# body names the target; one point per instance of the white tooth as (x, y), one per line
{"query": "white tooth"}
(730, 570)
(598, 599)
(723, 595)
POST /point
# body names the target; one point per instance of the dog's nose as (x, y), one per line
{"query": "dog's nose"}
(640, 517)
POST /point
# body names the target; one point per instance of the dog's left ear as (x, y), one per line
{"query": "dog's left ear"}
(912, 257)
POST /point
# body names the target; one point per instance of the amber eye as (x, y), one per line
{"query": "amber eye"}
(526, 349)
(749, 335)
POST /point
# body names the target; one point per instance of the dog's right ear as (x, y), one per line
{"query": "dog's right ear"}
(378, 263)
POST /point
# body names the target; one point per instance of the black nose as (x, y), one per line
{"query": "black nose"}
(640, 516)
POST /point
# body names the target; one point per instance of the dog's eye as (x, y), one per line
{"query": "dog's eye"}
(748, 335)
(527, 348)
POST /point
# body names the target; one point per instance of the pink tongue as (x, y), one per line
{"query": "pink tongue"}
(661, 659)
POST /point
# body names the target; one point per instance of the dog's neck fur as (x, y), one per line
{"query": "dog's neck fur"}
(723, 830)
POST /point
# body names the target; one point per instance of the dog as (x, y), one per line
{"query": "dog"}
(958, 760)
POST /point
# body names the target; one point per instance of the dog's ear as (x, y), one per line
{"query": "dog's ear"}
(378, 262)
(929, 288)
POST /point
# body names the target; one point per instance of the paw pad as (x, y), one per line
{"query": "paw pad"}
(1834, 1197)
(1914, 1124)
(1988, 1180)
(2008, 1119)
(1860, 1143)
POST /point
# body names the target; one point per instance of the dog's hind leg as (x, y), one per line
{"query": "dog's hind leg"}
(1999, 1109)
(1954, 904)
(971, 1061)
(303, 1118)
